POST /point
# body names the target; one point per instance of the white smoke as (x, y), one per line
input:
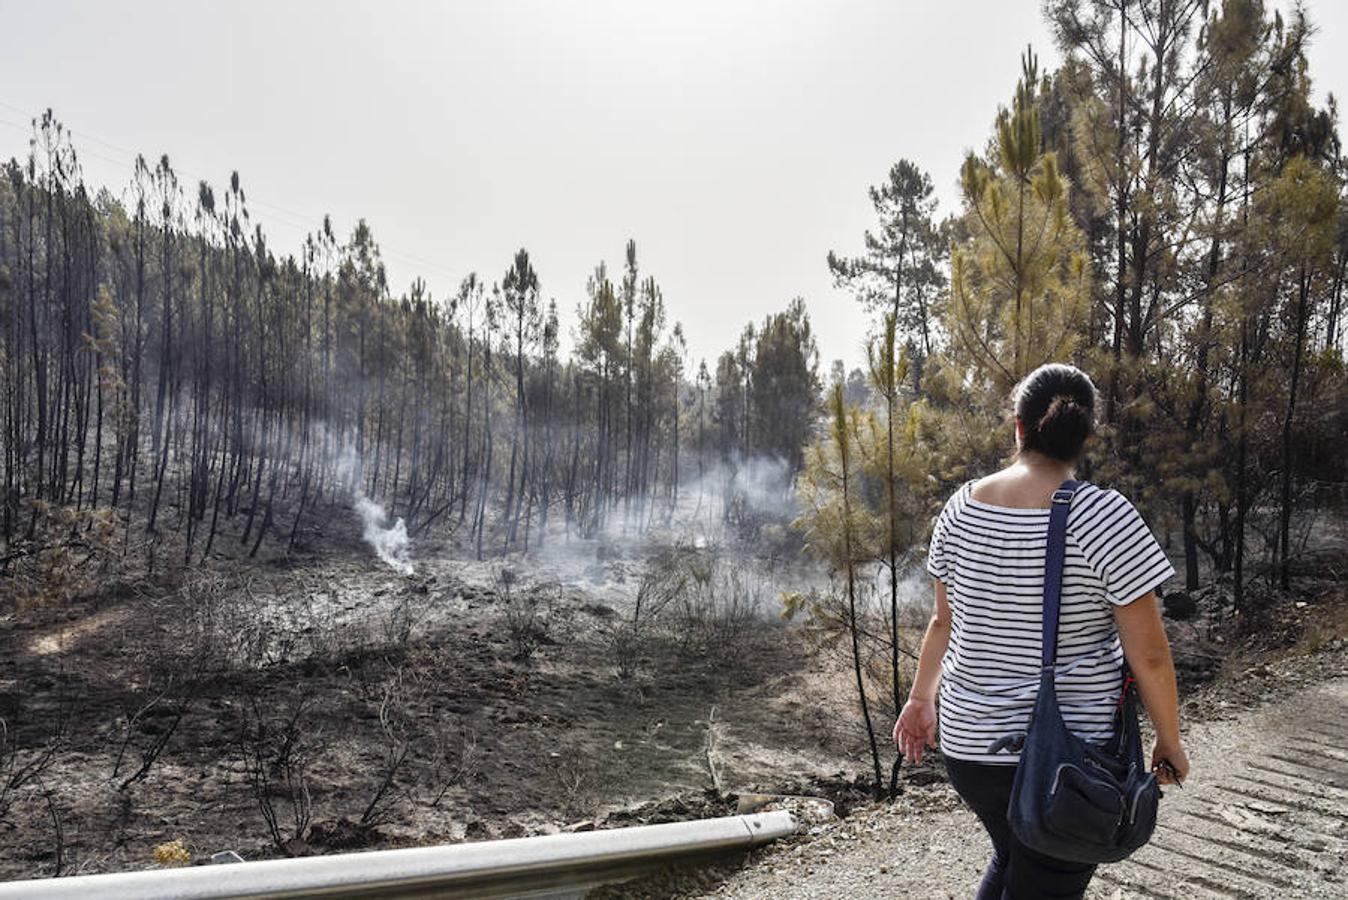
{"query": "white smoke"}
(390, 542)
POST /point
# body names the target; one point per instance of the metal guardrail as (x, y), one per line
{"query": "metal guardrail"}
(551, 865)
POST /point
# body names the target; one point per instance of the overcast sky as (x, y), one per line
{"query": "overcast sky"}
(734, 140)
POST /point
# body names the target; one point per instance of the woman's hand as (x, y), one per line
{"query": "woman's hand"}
(1178, 768)
(916, 728)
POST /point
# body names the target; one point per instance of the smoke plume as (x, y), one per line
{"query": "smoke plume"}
(390, 542)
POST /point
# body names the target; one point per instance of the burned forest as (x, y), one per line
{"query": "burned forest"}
(298, 560)
(240, 486)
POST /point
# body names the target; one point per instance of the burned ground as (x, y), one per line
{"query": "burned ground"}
(262, 711)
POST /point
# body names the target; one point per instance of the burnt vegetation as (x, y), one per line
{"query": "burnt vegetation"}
(196, 430)
(204, 437)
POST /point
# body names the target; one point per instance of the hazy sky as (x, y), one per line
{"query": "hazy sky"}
(734, 140)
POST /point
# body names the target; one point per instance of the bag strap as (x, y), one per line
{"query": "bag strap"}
(1054, 556)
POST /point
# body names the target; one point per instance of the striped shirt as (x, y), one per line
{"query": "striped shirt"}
(991, 560)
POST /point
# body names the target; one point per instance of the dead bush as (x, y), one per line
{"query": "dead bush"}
(217, 633)
(278, 747)
(576, 779)
(166, 668)
(718, 607)
(22, 767)
(706, 605)
(395, 739)
(62, 556)
(532, 616)
(400, 619)
(24, 773)
(454, 757)
(628, 636)
(150, 728)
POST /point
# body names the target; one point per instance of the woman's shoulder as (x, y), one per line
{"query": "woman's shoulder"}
(984, 481)
(958, 498)
(1098, 497)
(951, 508)
(1100, 512)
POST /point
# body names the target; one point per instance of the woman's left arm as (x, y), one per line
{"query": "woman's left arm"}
(1147, 650)
(916, 727)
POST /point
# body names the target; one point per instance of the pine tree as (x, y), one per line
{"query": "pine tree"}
(902, 271)
(520, 290)
(1019, 282)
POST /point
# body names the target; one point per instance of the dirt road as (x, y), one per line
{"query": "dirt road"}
(1264, 814)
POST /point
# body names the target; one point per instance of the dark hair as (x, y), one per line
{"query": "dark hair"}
(1057, 404)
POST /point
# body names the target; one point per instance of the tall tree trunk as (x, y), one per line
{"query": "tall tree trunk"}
(1285, 515)
(1242, 452)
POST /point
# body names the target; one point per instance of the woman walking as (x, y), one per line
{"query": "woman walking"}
(981, 651)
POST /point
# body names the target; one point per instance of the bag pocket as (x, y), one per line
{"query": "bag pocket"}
(1143, 798)
(1083, 807)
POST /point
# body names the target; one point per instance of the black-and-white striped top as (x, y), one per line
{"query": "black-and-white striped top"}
(991, 560)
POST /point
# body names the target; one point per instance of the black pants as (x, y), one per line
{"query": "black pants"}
(1016, 872)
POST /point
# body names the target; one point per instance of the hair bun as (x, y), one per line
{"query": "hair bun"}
(1063, 428)
(1057, 404)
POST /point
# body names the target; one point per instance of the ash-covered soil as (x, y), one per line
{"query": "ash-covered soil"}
(335, 704)
(329, 703)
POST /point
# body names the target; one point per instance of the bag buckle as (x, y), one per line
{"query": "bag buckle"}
(1128, 683)
(1062, 495)
(1013, 742)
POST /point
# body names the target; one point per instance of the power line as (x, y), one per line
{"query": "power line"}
(82, 153)
(280, 214)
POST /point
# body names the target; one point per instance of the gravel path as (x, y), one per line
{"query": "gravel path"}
(1265, 814)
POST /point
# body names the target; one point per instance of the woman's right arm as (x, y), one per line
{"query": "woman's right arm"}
(916, 726)
(1147, 650)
